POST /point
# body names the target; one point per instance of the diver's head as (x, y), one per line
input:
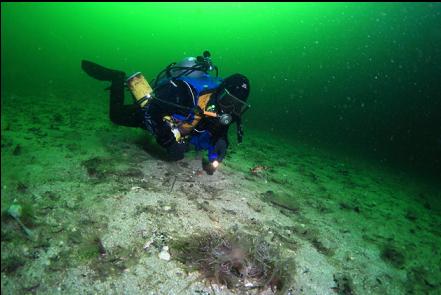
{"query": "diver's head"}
(232, 95)
(238, 85)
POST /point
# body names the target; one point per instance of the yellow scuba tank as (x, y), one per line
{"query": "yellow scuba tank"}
(140, 88)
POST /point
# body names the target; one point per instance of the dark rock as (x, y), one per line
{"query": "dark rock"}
(17, 150)
(11, 264)
(282, 200)
(21, 187)
(344, 284)
(411, 216)
(393, 256)
(132, 172)
(57, 118)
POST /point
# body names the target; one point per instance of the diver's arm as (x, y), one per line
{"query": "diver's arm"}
(219, 144)
(218, 151)
(164, 135)
(216, 154)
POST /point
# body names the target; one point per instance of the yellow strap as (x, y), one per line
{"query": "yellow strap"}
(203, 100)
(210, 114)
(186, 127)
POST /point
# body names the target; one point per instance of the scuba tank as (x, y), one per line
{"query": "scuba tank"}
(185, 68)
(192, 67)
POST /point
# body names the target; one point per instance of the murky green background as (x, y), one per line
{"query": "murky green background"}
(357, 77)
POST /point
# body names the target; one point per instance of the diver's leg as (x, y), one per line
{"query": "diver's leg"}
(120, 114)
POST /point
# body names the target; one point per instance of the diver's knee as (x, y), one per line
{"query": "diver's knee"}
(116, 119)
(176, 151)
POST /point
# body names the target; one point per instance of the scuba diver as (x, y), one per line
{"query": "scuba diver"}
(186, 104)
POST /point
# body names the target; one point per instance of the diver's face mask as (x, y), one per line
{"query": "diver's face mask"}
(230, 106)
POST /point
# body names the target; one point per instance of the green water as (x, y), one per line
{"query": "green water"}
(344, 125)
(358, 75)
(363, 76)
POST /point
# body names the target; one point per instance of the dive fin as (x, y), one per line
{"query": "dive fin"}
(101, 73)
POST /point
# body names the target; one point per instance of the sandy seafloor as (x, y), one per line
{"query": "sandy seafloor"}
(345, 226)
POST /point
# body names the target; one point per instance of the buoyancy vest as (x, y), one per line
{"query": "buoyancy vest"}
(201, 89)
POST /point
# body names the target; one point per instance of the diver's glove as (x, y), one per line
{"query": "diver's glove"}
(174, 128)
(168, 133)
(165, 137)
